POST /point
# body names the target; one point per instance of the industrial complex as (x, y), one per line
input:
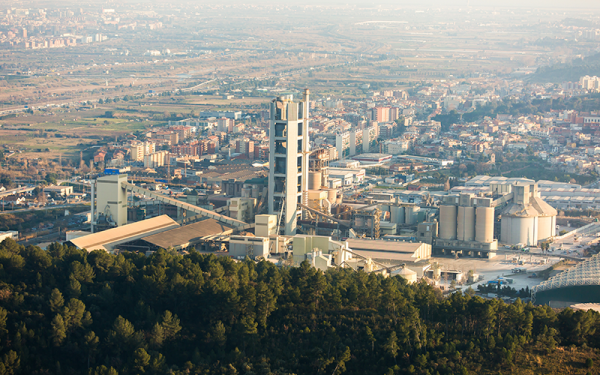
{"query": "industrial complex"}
(303, 211)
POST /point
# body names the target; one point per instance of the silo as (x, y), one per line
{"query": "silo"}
(410, 215)
(331, 195)
(519, 229)
(465, 227)
(397, 214)
(546, 224)
(314, 180)
(448, 222)
(484, 226)
(546, 218)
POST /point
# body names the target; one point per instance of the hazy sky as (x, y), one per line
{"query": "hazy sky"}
(591, 4)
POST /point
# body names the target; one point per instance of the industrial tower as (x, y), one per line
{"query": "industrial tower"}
(288, 160)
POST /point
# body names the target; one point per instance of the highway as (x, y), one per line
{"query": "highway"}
(16, 191)
(45, 208)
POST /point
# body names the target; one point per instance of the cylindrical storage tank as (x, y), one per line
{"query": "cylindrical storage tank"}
(448, 222)
(519, 230)
(397, 214)
(331, 195)
(246, 192)
(484, 226)
(465, 228)
(409, 275)
(545, 227)
(314, 180)
(410, 215)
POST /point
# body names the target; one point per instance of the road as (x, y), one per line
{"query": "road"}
(41, 208)
(16, 191)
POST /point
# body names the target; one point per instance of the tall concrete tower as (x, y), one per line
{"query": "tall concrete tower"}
(288, 160)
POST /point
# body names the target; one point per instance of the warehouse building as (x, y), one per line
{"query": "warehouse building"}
(110, 239)
(184, 237)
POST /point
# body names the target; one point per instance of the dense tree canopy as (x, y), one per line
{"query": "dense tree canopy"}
(67, 311)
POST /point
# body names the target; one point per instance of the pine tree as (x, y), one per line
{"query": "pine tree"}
(59, 331)
(170, 325)
(56, 301)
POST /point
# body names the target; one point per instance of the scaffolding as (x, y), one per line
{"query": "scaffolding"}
(366, 222)
(319, 162)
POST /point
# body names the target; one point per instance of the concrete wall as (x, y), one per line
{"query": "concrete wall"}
(266, 225)
(111, 198)
(240, 246)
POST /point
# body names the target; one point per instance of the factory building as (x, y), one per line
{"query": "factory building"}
(110, 239)
(288, 160)
(527, 219)
(467, 221)
(467, 224)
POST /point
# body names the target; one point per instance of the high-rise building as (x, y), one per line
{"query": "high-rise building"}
(225, 125)
(246, 147)
(288, 160)
(381, 114)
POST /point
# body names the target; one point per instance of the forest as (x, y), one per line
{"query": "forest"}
(67, 311)
(566, 71)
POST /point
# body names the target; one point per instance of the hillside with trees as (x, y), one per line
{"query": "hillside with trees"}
(67, 311)
(567, 71)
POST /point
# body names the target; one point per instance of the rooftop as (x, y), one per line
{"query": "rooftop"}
(106, 240)
(386, 250)
(186, 235)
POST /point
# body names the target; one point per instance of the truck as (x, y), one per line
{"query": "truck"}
(519, 270)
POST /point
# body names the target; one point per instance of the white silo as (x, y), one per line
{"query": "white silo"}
(314, 180)
(410, 215)
(484, 226)
(519, 228)
(465, 229)
(448, 222)
(528, 219)
(546, 219)
(397, 214)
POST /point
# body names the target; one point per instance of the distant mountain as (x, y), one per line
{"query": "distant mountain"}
(570, 71)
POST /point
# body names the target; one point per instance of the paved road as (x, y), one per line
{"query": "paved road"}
(42, 208)
(16, 191)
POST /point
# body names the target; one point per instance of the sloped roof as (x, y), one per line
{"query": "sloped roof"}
(103, 240)
(188, 234)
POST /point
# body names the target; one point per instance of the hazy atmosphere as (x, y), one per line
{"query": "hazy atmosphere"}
(267, 187)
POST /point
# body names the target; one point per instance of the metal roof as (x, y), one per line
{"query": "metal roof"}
(103, 240)
(188, 234)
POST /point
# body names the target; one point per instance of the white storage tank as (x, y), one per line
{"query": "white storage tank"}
(409, 275)
(546, 218)
(484, 227)
(448, 222)
(331, 195)
(519, 229)
(397, 214)
(547, 227)
(410, 215)
(314, 180)
(246, 192)
(465, 227)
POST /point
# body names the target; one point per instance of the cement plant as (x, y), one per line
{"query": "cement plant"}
(305, 204)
